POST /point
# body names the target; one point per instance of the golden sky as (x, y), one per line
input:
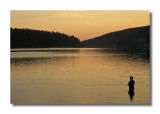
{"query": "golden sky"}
(82, 24)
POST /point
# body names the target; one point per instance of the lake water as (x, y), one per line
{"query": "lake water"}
(78, 76)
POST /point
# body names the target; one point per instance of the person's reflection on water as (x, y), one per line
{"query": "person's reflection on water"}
(131, 88)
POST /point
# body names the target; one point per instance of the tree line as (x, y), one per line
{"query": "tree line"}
(28, 38)
(132, 38)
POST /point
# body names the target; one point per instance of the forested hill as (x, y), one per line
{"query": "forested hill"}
(129, 39)
(28, 38)
(132, 38)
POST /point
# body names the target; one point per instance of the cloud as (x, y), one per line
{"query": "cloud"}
(67, 15)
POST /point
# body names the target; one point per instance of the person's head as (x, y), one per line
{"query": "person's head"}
(131, 77)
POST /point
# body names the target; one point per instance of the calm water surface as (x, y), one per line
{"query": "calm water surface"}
(77, 76)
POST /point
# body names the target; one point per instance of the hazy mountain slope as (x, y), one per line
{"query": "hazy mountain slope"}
(132, 38)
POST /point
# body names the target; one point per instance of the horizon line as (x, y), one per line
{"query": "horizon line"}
(79, 38)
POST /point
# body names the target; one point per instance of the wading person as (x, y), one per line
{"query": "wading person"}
(131, 88)
(131, 84)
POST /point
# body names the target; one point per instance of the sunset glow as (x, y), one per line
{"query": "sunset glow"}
(82, 24)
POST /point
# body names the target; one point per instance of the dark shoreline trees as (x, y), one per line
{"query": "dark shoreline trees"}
(131, 40)
(28, 38)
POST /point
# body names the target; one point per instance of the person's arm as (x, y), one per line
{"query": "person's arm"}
(128, 83)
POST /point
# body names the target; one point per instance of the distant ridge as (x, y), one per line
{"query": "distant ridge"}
(127, 39)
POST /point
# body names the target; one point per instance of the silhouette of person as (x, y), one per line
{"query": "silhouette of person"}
(131, 83)
(131, 88)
